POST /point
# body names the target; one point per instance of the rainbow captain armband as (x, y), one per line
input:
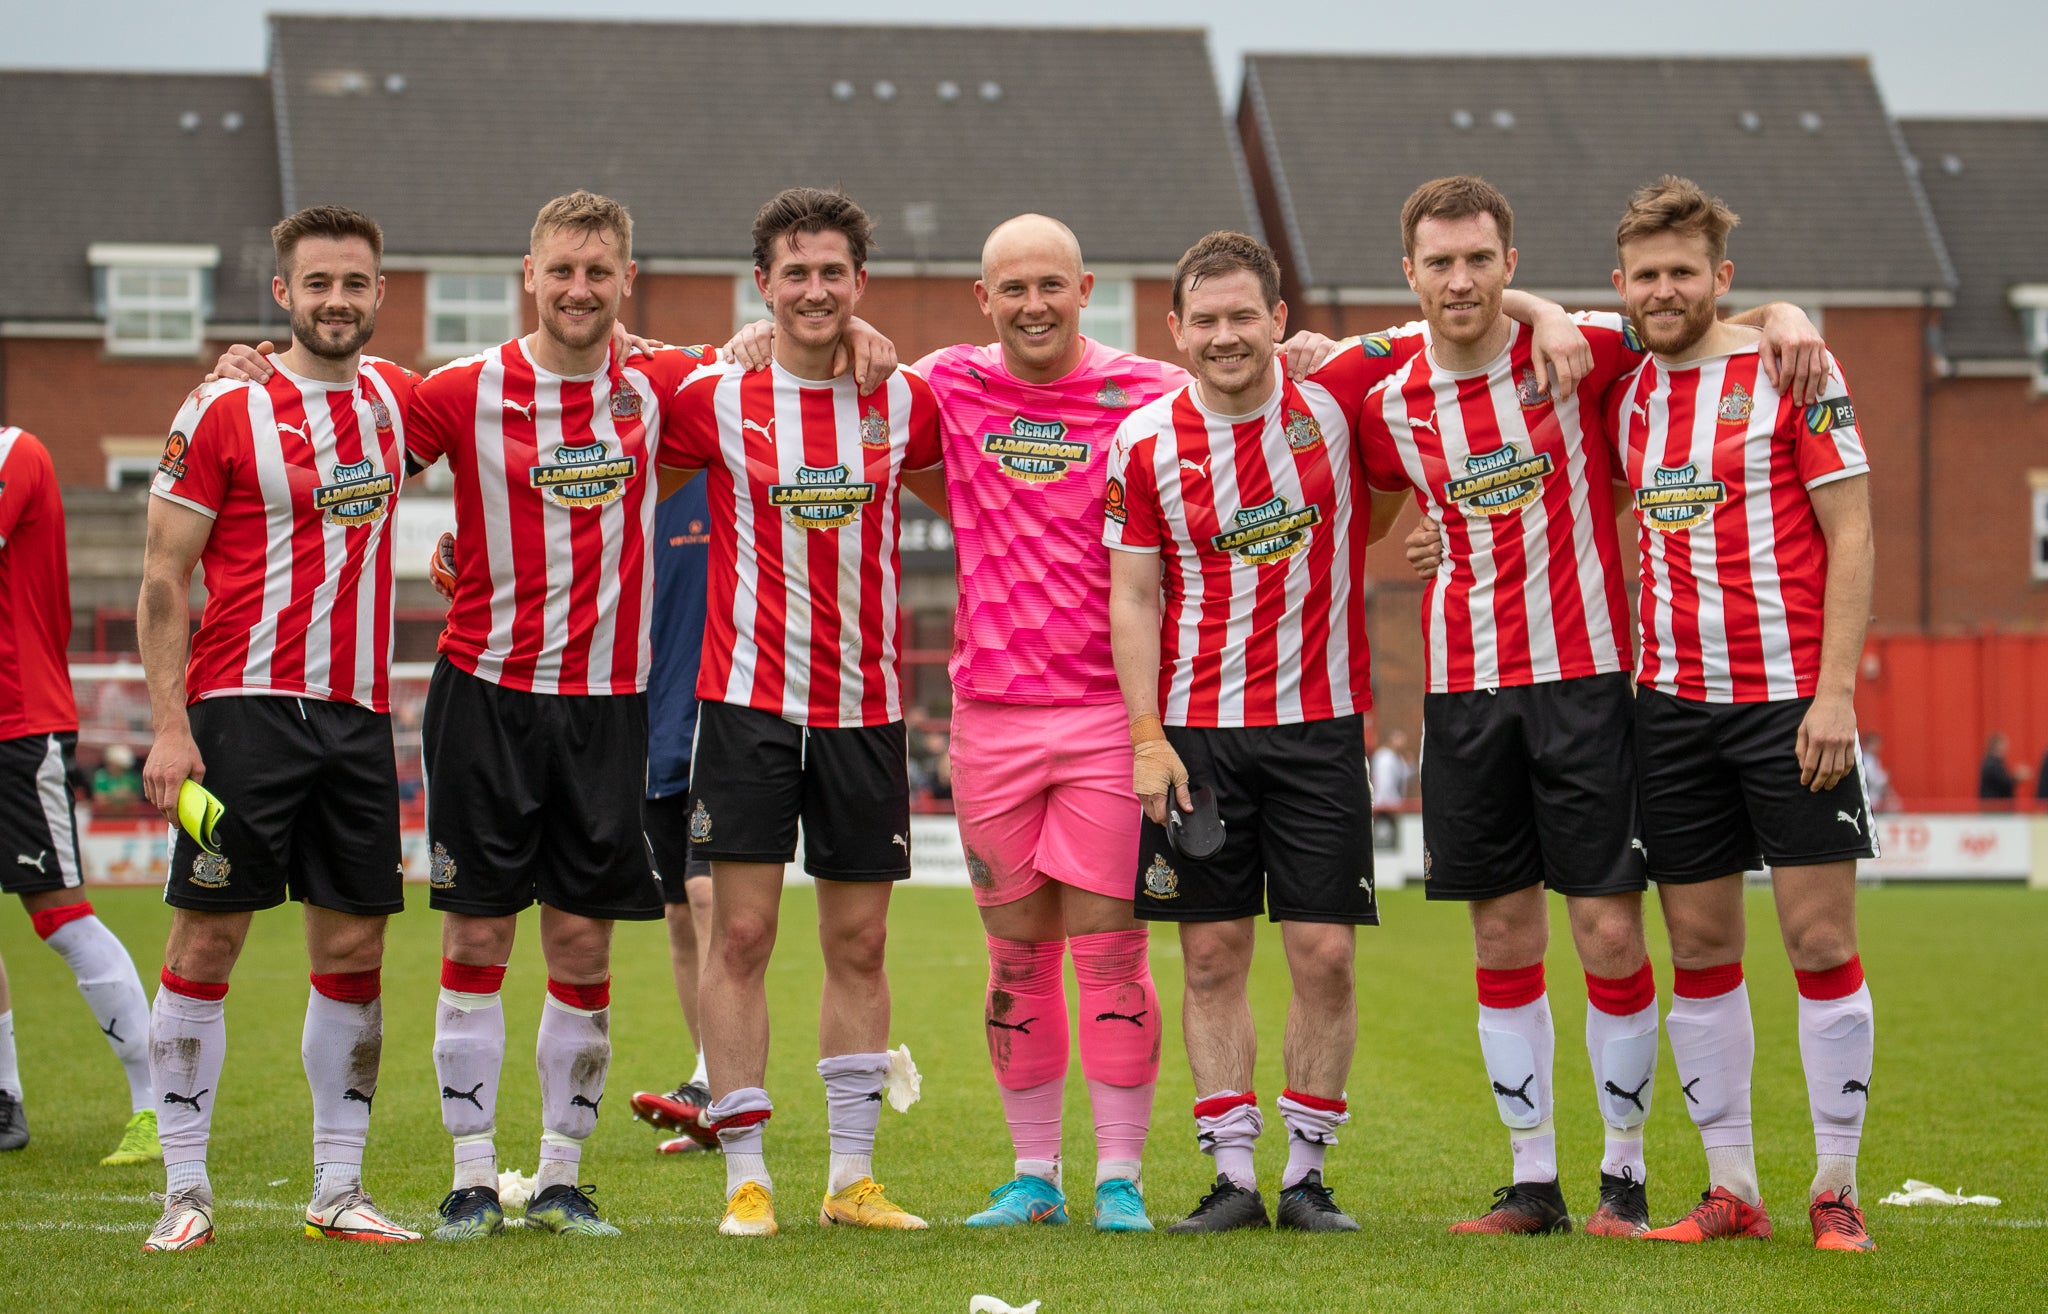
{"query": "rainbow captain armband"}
(199, 814)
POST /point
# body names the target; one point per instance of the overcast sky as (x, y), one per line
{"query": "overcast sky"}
(1953, 58)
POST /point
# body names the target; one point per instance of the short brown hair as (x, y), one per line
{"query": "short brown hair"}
(586, 212)
(811, 210)
(1225, 252)
(323, 221)
(1677, 205)
(1460, 196)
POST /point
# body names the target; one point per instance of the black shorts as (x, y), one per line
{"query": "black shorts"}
(535, 797)
(668, 841)
(1721, 791)
(310, 790)
(38, 828)
(1534, 784)
(1297, 828)
(754, 775)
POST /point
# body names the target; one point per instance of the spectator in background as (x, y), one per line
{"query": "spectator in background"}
(1995, 780)
(1391, 772)
(117, 785)
(1877, 782)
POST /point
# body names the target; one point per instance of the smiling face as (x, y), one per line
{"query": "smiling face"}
(1458, 269)
(1032, 287)
(579, 277)
(811, 286)
(1230, 335)
(1669, 285)
(333, 293)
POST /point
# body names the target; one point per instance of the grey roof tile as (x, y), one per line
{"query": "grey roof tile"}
(1987, 180)
(1827, 208)
(454, 132)
(106, 157)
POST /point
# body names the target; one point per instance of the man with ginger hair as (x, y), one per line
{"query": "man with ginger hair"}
(1752, 509)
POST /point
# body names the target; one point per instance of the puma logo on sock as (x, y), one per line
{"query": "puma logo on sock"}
(1520, 1092)
(450, 1093)
(353, 1094)
(1024, 1026)
(1136, 1019)
(1634, 1097)
(172, 1097)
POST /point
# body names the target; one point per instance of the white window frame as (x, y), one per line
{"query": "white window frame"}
(747, 303)
(1111, 315)
(483, 312)
(2037, 541)
(174, 287)
(2031, 301)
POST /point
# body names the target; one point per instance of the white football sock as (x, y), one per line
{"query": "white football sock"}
(1836, 1041)
(341, 1047)
(106, 977)
(1713, 1042)
(573, 1052)
(853, 1105)
(469, 1054)
(10, 1065)
(1623, 1050)
(188, 1041)
(744, 1161)
(1520, 1047)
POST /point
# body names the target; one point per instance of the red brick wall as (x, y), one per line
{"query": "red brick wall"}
(1988, 433)
(1880, 354)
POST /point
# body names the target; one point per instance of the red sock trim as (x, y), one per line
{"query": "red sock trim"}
(587, 997)
(1512, 988)
(742, 1121)
(178, 985)
(1218, 1105)
(52, 920)
(470, 978)
(1834, 983)
(1620, 996)
(1706, 982)
(1315, 1102)
(350, 987)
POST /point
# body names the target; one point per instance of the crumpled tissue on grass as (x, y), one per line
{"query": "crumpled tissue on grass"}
(1917, 1192)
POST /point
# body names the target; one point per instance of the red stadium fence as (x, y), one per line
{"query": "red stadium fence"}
(1937, 701)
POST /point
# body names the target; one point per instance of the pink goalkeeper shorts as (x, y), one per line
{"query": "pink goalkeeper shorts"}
(1044, 793)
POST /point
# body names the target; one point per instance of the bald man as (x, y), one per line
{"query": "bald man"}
(1040, 749)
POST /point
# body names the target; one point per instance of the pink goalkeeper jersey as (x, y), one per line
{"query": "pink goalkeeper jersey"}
(1025, 464)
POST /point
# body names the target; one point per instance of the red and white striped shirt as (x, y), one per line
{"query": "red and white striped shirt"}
(300, 478)
(1734, 564)
(554, 509)
(806, 482)
(1263, 569)
(35, 625)
(1529, 589)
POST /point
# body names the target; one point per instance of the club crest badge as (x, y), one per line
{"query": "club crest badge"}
(211, 871)
(441, 869)
(1499, 481)
(358, 495)
(823, 497)
(700, 824)
(1526, 391)
(1035, 451)
(581, 477)
(874, 431)
(1161, 881)
(1272, 531)
(1678, 498)
(978, 871)
(173, 462)
(1302, 430)
(1736, 406)
(625, 403)
(380, 415)
(1112, 397)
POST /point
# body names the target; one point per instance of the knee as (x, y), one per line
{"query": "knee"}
(1610, 943)
(1819, 946)
(358, 946)
(1211, 965)
(860, 949)
(1502, 942)
(743, 943)
(1325, 965)
(202, 949)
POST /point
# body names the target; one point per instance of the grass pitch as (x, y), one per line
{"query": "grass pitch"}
(1962, 1061)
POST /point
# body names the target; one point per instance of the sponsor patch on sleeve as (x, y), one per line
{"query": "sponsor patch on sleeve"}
(1113, 500)
(1831, 413)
